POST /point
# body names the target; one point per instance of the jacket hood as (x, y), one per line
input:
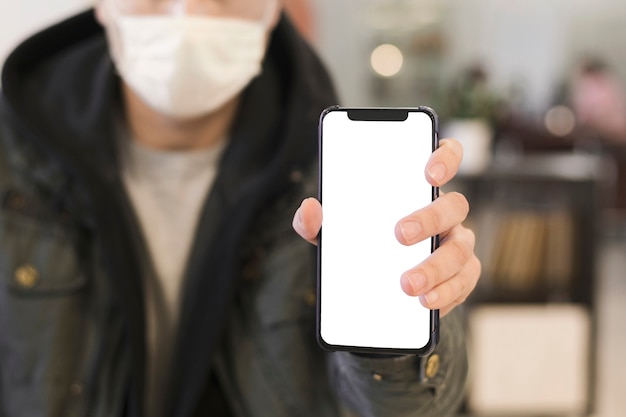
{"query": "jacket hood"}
(61, 85)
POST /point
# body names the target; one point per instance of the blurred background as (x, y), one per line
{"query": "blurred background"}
(534, 89)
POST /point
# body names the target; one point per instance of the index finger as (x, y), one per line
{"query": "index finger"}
(444, 162)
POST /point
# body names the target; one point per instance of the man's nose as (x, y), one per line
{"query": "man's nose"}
(182, 7)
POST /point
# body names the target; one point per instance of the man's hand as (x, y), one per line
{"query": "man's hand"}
(448, 275)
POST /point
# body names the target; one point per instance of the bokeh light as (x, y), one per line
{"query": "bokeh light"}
(387, 60)
(560, 121)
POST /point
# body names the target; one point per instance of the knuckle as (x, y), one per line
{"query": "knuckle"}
(459, 200)
(458, 288)
(471, 275)
(472, 239)
(470, 236)
(432, 219)
(461, 250)
(432, 274)
(462, 287)
(460, 300)
(453, 292)
(475, 267)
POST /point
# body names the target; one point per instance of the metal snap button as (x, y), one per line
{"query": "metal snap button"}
(432, 366)
(26, 276)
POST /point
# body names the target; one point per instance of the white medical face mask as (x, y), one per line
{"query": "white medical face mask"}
(186, 66)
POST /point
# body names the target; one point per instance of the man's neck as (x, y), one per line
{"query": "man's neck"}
(155, 130)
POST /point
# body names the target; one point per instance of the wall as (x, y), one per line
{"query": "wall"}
(526, 43)
(21, 18)
(531, 43)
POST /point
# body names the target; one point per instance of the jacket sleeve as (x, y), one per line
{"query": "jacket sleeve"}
(400, 386)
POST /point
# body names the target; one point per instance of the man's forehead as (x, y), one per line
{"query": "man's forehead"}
(192, 2)
(244, 8)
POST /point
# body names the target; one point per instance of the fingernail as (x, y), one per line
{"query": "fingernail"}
(430, 298)
(437, 172)
(413, 284)
(410, 230)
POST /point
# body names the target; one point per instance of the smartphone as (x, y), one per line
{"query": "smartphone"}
(371, 174)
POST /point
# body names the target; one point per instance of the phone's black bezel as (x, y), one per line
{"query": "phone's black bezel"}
(384, 114)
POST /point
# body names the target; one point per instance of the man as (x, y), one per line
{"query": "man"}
(149, 175)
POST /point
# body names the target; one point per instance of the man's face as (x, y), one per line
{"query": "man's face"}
(245, 9)
(173, 54)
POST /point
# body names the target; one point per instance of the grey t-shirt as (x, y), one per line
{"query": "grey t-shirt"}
(167, 190)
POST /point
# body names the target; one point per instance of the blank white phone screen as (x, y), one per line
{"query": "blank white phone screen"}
(372, 176)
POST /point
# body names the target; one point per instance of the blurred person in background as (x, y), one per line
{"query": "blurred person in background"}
(598, 99)
(152, 157)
